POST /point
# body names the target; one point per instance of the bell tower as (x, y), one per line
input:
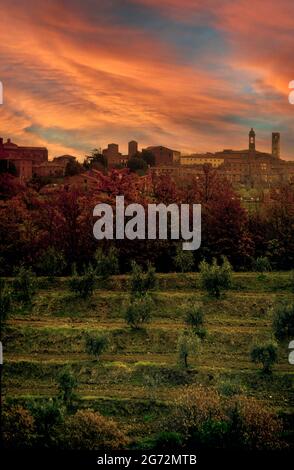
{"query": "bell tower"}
(252, 140)
(276, 138)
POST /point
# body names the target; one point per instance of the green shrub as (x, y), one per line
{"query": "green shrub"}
(47, 416)
(52, 263)
(214, 278)
(184, 260)
(106, 263)
(83, 285)
(168, 440)
(212, 434)
(229, 388)
(265, 354)
(96, 345)
(262, 264)
(283, 321)
(140, 282)
(67, 384)
(138, 311)
(24, 284)
(194, 319)
(188, 345)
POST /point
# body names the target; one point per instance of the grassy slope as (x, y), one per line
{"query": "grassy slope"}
(138, 377)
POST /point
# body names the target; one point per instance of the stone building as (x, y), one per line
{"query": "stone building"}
(201, 159)
(132, 148)
(248, 167)
(113, 156)
(28, 161)
(164, 155)
(24, 159)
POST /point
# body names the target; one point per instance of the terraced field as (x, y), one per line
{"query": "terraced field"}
(139, 377)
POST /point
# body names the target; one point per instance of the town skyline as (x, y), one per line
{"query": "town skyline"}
(182, 74)
(249, 167)
(124, 148)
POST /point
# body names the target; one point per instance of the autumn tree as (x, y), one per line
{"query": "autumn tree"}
(18, 427)
(89, 430)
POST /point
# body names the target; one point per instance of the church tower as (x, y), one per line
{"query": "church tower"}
(276, 138)
(252, 140)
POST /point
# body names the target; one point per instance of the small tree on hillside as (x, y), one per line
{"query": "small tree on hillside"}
(216, 278)
(262, 264)
(67, 384)
(83, 285)
(184, 260)
(283, 321)
(194, 319)
(142, 282)
(138, 311)
(265, 354)
(24, 284)
(106, 263)
(188, 345)
(96, 345)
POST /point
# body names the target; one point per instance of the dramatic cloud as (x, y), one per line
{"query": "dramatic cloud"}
(189, 74)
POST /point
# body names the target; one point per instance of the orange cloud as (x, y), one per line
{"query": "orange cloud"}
(73, 83)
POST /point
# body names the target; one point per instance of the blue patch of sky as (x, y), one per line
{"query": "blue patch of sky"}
(58, 135)
(258, 123)
(192, 40)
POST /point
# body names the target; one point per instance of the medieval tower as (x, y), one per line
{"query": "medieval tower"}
(276, 139)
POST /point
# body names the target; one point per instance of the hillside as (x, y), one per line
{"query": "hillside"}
(138, 378)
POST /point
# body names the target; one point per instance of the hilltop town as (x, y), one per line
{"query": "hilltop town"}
(249, 167)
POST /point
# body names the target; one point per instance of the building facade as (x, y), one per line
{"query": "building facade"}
(114, 157)
(28, 161)
(248, 167)
(164, 155)
(132, 148)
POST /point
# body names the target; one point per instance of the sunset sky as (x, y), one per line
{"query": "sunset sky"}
(193, 75)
